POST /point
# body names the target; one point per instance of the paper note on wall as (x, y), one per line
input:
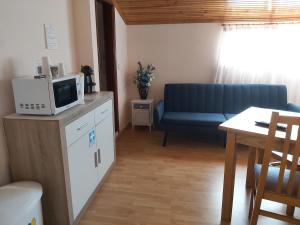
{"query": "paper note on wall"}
(51, 36)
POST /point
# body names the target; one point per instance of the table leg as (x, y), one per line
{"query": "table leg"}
(250, 168)
(229, 176)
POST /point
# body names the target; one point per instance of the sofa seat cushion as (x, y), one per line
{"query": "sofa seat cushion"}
(188, 118)
(228, 116)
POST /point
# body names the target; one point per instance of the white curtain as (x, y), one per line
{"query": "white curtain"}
(268, 54)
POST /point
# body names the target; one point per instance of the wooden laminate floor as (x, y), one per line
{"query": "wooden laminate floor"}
(177, 185)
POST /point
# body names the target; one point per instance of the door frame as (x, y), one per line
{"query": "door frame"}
(110, 52)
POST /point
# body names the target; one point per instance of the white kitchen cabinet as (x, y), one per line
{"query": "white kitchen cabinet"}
(105, 145)
(61, 153)
(83, 170)
(91, 152)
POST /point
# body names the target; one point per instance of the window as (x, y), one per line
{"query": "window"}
(261, 54)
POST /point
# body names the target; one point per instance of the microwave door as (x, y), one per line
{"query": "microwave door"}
(65, 93)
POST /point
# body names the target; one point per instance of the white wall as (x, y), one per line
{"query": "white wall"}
(22, 44)
(182, 53)
(122, 67)
(86, 36)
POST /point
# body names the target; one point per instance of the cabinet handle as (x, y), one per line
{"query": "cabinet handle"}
(95, 157)
(104, 111)
(83, 126)
(99, 156)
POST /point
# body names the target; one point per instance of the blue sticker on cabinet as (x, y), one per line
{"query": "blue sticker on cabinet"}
(92, 138)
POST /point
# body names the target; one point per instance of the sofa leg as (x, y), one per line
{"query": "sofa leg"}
(165, 139)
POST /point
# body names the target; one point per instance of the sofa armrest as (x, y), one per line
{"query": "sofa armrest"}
(158, 114)
(293, 107)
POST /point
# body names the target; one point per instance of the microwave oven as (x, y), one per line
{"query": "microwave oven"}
(44, 96)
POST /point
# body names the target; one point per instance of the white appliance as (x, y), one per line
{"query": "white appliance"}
(20, 203)
(43, 96)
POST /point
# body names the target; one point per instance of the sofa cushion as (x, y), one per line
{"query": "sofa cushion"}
(187, 118)
(238, 97)
(228, 116)
(202, 98)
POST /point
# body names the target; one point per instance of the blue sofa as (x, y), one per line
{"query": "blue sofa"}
(203, 107)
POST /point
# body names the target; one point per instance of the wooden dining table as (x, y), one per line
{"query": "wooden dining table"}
(242, 129)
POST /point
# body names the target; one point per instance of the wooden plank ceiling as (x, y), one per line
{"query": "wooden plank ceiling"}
(222, 11)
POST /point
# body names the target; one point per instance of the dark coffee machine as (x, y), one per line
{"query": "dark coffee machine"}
(88, 81)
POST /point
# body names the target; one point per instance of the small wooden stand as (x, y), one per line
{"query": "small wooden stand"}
(142, 112)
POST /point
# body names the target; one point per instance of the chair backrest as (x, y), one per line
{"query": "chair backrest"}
(291, 145)
(202, 98)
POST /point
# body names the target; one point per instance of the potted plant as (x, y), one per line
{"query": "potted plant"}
(143, 79)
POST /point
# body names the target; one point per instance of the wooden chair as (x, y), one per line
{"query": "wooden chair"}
(278, 156)
(278, 184)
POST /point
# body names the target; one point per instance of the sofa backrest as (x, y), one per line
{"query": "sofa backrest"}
(238, 97)
(206, 98)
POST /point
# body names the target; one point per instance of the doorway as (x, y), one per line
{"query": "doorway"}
(105, 22)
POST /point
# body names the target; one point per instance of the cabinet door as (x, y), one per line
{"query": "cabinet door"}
(105, 145)
(82, 158)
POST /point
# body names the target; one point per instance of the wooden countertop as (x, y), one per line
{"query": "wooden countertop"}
(92, 101)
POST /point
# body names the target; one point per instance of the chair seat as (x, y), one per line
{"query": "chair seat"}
(188, 118)
(272, 179)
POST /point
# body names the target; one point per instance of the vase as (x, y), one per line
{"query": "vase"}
(143, 91)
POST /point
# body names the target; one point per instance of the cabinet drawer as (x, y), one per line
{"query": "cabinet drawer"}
(79, 127)
(103, 111)
(141, 106)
